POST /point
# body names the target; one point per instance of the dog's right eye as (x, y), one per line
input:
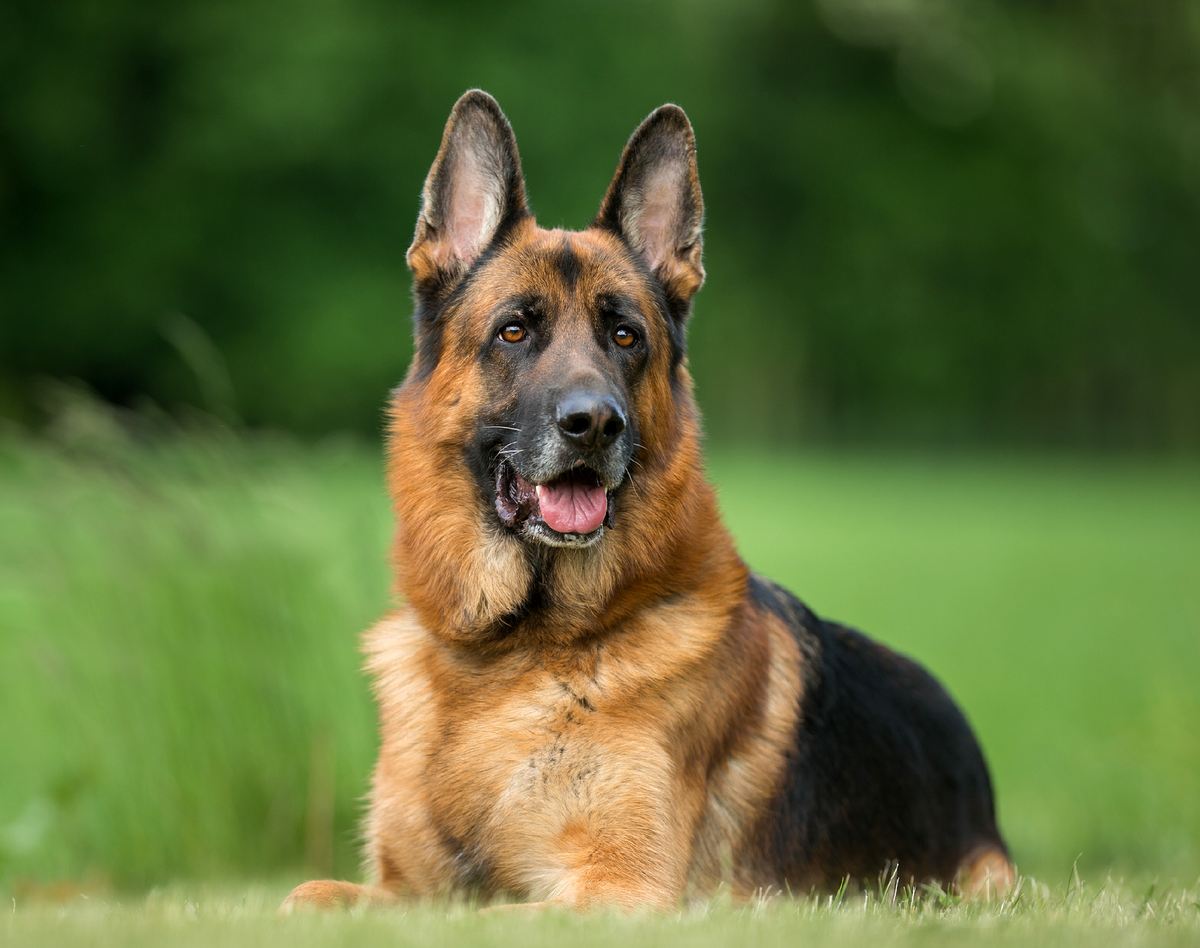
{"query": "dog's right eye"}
(513, 332)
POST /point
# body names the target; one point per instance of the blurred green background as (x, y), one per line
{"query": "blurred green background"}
(950, 221)
(948, 356)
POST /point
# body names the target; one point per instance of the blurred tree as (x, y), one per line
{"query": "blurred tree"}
(926, 220)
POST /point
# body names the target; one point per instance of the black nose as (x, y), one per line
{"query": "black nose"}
(590, 421)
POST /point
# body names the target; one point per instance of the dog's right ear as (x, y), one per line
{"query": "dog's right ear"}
(473, 195)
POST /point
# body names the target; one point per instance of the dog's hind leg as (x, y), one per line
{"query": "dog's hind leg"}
(521, 908)
(986, 874)
(326, 894)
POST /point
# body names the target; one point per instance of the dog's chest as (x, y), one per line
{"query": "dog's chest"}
(562, 748)
(550, 770)
(542, 748)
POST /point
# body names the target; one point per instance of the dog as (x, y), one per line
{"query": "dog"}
(586, 698)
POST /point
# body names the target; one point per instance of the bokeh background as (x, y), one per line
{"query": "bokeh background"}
(948, 356)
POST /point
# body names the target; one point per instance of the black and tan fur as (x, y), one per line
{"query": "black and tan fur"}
(626, 717)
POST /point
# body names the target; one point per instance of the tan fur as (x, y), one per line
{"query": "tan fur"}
(585, 767)
(328, 894)
(617, 761)
(987, 875)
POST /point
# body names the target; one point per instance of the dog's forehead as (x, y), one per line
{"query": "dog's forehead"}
(563, 269)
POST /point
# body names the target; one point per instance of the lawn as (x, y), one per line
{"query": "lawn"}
(1074, 914)
(181, 702)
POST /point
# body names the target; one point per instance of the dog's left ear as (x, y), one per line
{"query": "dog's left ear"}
(654, 202)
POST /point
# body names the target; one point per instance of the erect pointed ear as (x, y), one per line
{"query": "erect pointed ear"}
(474, 194)
(654, 202)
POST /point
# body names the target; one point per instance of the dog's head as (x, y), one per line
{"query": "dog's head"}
(567, 333)
(548, 407)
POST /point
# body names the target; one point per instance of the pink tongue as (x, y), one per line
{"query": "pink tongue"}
(571, 507)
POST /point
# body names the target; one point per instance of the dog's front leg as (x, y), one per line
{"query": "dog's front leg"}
(626, 861)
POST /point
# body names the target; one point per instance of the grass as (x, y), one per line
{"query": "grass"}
(1075, 914)
(180, 696)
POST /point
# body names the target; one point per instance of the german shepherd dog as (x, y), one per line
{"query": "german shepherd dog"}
(586, 698)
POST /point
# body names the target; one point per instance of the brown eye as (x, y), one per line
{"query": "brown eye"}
(513, 332)
(625, 337)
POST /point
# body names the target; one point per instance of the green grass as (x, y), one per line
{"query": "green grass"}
(180, 696)
(1069, 915)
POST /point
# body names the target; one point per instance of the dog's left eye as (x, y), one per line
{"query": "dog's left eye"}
(513, 332)
(625, 337)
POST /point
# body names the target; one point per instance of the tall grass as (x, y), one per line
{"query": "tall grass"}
(179, 683)
(180, 695)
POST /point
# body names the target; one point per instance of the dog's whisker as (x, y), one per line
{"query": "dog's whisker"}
(633, 484)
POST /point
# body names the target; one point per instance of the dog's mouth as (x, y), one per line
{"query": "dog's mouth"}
(574, 505)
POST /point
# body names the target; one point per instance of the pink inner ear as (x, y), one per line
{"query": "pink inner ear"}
(474, 211)
(656, 218)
